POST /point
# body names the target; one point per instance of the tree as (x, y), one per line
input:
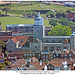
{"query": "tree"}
(52, 15)
(66, 22)
(7, 63)
(34, 14)
(60, 30)
(5, 9)
(53, 22)
(3, 46)
(68, 11)
(29, 15)
(0, 13)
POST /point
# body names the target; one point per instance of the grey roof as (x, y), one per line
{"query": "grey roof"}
(56, 36)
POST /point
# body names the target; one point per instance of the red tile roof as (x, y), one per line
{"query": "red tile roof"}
(22, 39)
(57, 3)
(5, 38)
(70, 15)
(34, 58)
(18, 64)
(58, 62)
(37, 65)
(15, 39)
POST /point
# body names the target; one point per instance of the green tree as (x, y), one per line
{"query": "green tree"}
(65, 22)
(7, 63)
(2, 46)
(60, 30)
(52, 15)
(5, 9)
(53, 22)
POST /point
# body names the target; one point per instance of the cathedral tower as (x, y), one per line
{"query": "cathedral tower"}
(38, 28)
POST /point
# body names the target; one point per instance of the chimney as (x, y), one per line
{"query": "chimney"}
(28, 62)
(40, 62)
(64, 65)
(74, 66)
(29, 59)
(45, 68)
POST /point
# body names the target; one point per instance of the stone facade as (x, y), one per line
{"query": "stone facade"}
(47, 43)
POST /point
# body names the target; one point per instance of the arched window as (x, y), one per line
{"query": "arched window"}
(58, 48)
(45, 48)
(52, 48)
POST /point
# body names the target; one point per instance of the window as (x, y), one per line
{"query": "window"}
(52, 67)
(43, 56)
(47, 41)
(39, 55)
(24, 54)
(69, 54)
(46, 59)
(46, 56)
(35, 46)
(43, 59)
(54, 55)
(45, 48)
(57, 54)
(53, 41)
(27, 54)
(30, 54)
(33, 54)
(49, 66)
(62, 55)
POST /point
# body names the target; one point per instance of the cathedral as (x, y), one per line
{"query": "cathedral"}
(50, 43)
(42, 42)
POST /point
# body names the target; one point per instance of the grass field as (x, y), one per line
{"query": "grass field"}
(17, 20)
(18, 9)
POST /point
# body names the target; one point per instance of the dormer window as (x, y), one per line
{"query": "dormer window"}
(28, 40)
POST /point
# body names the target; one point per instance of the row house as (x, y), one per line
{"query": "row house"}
(65, 54)
(59, 64)
(44, 56)
(23, 28)
(26, 64)
(5, 33)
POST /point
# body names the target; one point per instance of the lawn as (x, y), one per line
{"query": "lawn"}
(19, 8)
(18, 20)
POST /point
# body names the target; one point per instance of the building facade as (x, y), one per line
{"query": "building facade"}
(45, 43)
